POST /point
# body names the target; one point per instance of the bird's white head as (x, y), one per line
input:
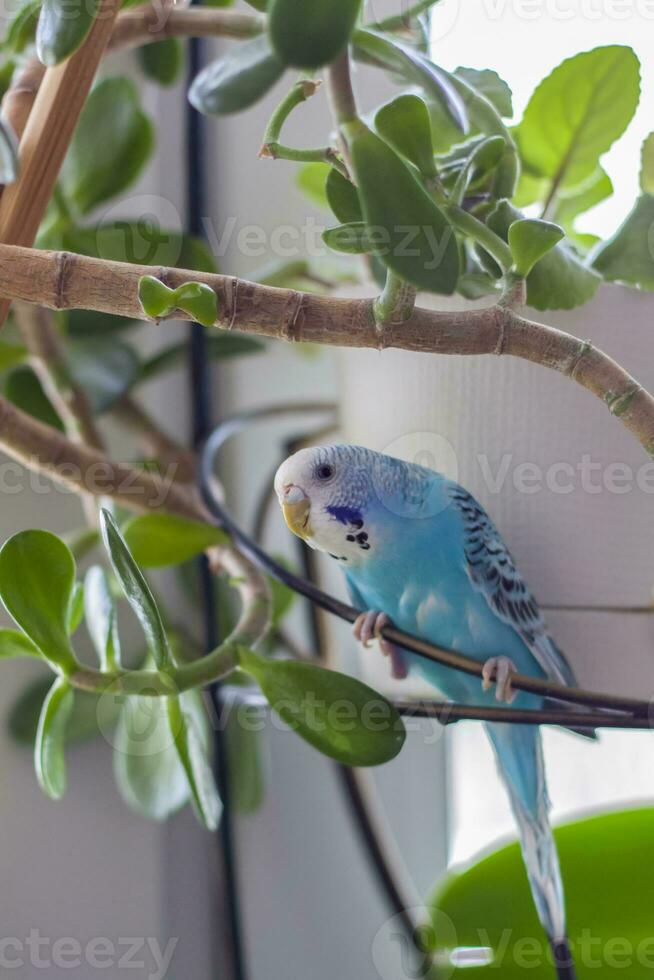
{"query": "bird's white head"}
(324, 493)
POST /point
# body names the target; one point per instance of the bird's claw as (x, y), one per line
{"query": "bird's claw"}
(368, 626)
(498, 670)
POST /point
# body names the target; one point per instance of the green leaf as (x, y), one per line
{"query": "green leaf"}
(23, 720)
(647, 165)
(245, 766)
(156, 298)
(76, 608)
(353, 238)
(193, 755)
(136, 589)
(412, 236)
(628, 255)
(491, 86)
(22, 27)
(195, 298)
(577, 112)
(413, 67)
(24, 390)
(112, 143)
(156, 540)
(337, 714)
(37, 575)
(163, 61)
(49, 759)
(405, 125)
(560, 281)
(311, 180)
(529, 240)
(572, 203)
(11, 355)
(282, 596)
(199, 300)
(105, 368)
(342, 197)
(13, 643)
(310, 38)
(101, 620)
(237, 80)
(62, 26)
(147, 769)
(219, 346)
(8, 153)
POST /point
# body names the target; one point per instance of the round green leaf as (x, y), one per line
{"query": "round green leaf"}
(337, 714)
(37, 576)
(49, 760)
(578, 111)
(342, 197)
(112, 143)
(76, 608)
(405, 125)
(100, 615)
(162, 61)
(198, 300)
(136, 589)
(194, 757)
(156, 298)
(237, 80)
(62, 26)
(529, 240)
(489, 84)
(311, 181)
(156, 540)
(412, 236)
(560, 281)
(353, 239)
(311, 36)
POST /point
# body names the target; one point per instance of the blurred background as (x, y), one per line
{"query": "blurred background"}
(307, 898)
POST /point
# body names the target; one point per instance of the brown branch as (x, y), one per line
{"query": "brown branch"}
(62, 280)
(146, 24)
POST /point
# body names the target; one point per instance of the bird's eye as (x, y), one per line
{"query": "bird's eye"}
(325, 471)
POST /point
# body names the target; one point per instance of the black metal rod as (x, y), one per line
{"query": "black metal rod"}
(544, 688)
(202, 422)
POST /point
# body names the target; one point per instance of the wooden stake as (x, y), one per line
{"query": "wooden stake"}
(48, 133)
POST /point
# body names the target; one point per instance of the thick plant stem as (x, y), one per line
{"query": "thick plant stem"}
(341, 92)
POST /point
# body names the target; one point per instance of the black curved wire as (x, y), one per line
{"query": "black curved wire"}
(620, 712)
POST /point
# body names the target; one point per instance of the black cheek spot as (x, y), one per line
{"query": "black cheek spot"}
(363, 537)
(349, 537)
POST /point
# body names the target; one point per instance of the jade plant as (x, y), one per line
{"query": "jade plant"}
(437, 190)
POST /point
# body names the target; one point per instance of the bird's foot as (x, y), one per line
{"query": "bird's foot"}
(367, 627)
(498, 670)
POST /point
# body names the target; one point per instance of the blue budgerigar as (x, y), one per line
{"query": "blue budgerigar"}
(418, 550)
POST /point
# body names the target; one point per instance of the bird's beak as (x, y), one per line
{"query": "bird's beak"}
(296, 508)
